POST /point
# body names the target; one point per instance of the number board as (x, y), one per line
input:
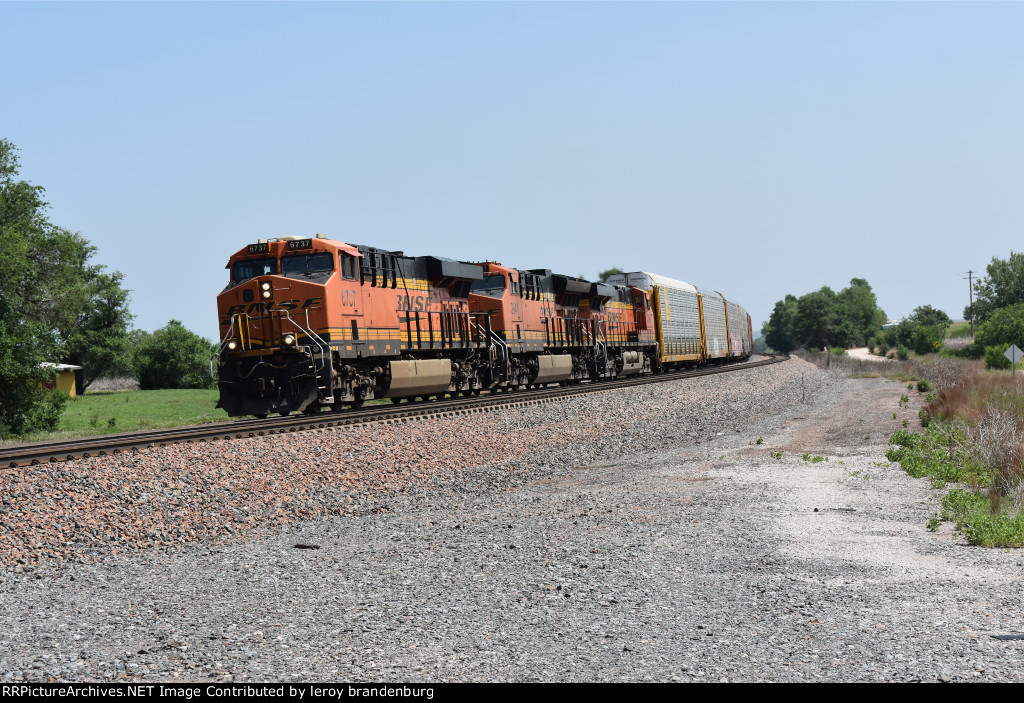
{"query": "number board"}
(300, 244)
(259, 248)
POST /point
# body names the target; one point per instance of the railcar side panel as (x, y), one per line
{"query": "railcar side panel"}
(716, 333)
(739, 344)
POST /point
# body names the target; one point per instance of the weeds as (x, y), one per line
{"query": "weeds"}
(980, 523)
(939, 452)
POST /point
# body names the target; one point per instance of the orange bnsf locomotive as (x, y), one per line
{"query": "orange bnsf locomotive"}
(309, 322)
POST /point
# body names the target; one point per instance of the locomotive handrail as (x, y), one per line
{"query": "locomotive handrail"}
(229, 337)
(490, 334)
(322, 346)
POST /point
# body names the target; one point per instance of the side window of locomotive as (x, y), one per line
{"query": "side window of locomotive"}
(492, 285)
(348, 266)
(251, 268)
(307, 265)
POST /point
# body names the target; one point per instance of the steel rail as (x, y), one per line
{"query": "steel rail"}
(13, 456)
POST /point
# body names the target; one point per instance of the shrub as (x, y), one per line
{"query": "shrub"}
(938, 452)
(927, 338)
(173, 357)
(923, 386)
(995, 357)
(902, 353)
(958, 504)
(838, 351)
(1004, 326)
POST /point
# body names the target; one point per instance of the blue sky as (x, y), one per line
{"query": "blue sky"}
(756, 148)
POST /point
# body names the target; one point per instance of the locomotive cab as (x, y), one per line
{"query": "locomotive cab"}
(274, 356)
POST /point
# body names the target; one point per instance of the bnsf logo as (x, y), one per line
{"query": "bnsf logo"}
(259, 308)
(413, 303)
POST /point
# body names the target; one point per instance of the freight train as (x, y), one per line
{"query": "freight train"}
(309, 322)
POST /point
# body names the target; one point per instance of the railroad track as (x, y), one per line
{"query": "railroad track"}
(13, 456)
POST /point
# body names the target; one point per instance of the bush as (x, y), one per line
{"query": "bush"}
(938, 452)
(838, 351)
(983, 527)
(173, 357)
(923, 386)
(1004, 327)
(902, 353)
(995, 357)
(927, 338)
(958, 504)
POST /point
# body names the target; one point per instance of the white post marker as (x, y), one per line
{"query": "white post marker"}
(1013, 354)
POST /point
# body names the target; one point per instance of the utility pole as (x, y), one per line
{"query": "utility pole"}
(970, 289)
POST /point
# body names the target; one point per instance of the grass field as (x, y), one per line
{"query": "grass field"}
(109, 412)
(958, 330)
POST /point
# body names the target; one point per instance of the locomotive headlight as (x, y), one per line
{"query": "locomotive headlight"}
(266, 285)
(289, 340)
(232, 345)
(266, 294)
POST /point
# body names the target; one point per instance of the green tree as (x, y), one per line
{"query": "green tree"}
(603, 275)
(49, 291)
(824, 318)
(31, 302)
(97, 338)
(1004, 326)
(927, 339)
(172, 357)
(816, 322)
(1003, 286)
(922, 331)
(858, 317)
(778, 330)
(25, 405)
(927, 315)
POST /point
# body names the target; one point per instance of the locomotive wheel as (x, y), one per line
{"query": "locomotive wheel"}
(476, 391)
(396, 401)
(358, 402)
(284, 413)
(261, 416)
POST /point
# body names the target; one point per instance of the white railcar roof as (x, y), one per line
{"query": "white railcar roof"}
(647, 281)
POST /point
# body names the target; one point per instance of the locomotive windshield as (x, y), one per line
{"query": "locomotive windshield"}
(307, 264)
(250, 268)
(492, 285)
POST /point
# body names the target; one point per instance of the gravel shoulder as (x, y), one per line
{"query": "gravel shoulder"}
(635, 536)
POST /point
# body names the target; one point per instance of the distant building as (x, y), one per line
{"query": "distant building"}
(891, 323)
(65, 379)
